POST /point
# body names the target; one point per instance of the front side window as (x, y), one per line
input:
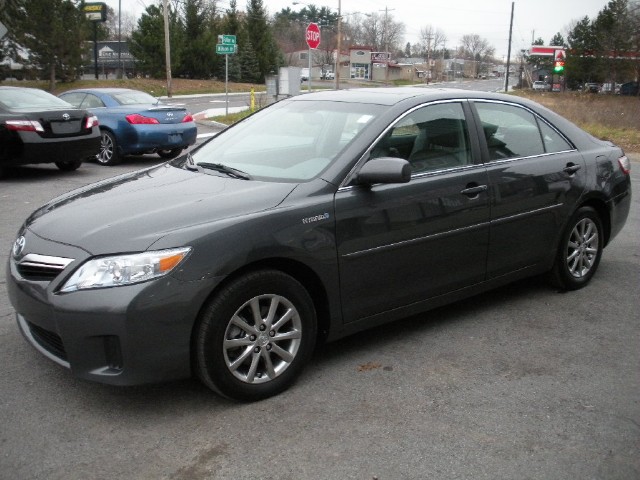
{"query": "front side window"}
(510, 131)
(431, 138)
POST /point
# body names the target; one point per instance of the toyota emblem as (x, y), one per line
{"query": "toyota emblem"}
(18, 246)
(66, 117)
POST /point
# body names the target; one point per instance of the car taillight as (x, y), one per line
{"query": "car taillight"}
(187, 118)
(625, 164)
(91, 122)
(24, 125)
(137, 119)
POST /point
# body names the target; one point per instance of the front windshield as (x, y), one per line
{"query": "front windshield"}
(289, 141)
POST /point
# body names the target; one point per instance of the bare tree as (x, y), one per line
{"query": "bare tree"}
(430, 40)
(477, 49)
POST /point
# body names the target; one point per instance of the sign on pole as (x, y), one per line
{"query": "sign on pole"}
(227, 39)
(225, 49)
(313, 35)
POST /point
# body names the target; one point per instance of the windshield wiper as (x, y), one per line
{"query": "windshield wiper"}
(219, 167)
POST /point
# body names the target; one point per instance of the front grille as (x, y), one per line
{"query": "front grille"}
(48, 340)
(41, 268)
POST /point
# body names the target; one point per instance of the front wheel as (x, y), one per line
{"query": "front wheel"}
(255, 336)
(579, 251)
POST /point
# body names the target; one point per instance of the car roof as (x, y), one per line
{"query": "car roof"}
(107, 90)
(395, 95)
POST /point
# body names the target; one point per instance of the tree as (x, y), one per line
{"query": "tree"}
(56, 50)
(198, 59)
(612, 27)
(261, 38)
(147, 41)
(430, 40)
(477, 49)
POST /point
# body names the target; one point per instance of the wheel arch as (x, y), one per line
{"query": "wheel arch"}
(301, 272)
(600, 206)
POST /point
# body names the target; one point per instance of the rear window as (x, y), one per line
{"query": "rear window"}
(133, 97)
(25, 99)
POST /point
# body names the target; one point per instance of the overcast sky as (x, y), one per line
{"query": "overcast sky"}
(488, 18)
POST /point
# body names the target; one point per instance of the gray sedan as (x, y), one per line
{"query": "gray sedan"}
(314, 218)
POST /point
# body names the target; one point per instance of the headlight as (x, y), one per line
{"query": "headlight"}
(118, 270)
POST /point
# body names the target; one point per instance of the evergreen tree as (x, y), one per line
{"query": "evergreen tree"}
(198, 54)
(147, 41)
(261, 38)
(61, 28)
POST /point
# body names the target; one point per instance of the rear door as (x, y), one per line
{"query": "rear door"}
(536, 178)
(405, 243)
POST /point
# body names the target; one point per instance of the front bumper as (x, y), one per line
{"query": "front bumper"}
(122, 336)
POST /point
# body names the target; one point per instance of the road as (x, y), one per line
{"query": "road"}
(523, 382)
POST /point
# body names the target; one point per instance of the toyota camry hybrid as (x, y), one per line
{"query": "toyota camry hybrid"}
(312, 219)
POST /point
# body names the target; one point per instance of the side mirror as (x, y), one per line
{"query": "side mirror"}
(384, 170)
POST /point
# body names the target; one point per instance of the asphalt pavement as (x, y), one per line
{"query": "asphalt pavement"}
(523, 382)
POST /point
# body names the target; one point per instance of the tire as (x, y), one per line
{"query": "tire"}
(69, 165)
(255, 336)
(169, 154)
(108, 154)
(579, 251)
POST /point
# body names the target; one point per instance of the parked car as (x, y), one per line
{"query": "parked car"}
(135, 123)
(539, 85)
(328, 75)
(592, 87)
(629, 88)
(37, 127)
(312, 219)
(304, 75)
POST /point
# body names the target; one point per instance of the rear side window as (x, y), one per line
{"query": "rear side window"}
(510, 131)
(553, 141)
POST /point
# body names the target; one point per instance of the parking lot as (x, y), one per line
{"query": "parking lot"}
(523, 382)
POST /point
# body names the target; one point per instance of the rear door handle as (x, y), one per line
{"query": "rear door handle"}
(474, 191)
(571, 168)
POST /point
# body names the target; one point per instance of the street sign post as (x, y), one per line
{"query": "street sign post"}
(313, 36)
(226, 46)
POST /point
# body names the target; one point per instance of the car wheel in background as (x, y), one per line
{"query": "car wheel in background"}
(108, 154)
(69, 165)
(254, 337)
(579, 251)
(169, 154)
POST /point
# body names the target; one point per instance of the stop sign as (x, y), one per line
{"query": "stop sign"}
(313, 35)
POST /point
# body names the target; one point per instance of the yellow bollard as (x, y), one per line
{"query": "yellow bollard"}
(253, 100)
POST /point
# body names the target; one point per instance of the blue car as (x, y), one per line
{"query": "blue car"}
(134, 123)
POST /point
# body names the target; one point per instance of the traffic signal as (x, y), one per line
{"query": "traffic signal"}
(558, 67)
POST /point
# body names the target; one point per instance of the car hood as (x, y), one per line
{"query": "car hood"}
(130, 212)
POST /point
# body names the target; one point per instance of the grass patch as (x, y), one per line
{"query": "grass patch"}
(608, 117)
(155, 87)
(232, 117)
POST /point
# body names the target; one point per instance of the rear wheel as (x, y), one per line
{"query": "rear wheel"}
(254, 337)
(169, 154)
(579, 251)
(69, 165)
(108, 154)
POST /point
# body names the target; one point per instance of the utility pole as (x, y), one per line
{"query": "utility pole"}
(506, 77)
(337, 67)
(167, 47)
(385, 35)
